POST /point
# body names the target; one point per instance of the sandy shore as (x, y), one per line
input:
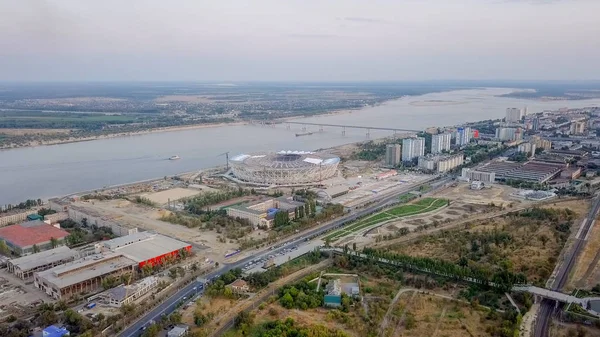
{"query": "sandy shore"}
(120, 134)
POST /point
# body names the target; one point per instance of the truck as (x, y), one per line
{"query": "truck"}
(269, 263)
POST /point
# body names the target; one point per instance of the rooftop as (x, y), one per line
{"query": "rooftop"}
(43, 258)
(86, 268)
(30, 233)
(144, 246)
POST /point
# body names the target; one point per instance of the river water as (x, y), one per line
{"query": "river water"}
(46, 171)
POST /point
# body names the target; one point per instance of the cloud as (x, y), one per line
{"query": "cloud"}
(363, 20)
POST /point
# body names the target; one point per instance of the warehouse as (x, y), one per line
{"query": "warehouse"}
(32, 236)
(83, 276)
(146, 247)
(25, 266)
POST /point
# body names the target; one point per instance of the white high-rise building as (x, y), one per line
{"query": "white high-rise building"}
(440, 142)
(413, 148)
(463, 136)
(392, 154)
(515, 115)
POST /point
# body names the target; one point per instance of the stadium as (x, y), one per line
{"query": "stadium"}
(284, 168)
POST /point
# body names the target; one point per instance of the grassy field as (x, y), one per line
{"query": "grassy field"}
(418, 207)
(527, 243)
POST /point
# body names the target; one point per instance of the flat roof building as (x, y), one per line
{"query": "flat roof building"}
(147, 247)
(22, 238)
(126, 294)
(258, 213)
(24, 267)
(83, 276)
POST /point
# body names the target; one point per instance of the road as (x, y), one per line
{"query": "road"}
(170, 304)
(562, 275)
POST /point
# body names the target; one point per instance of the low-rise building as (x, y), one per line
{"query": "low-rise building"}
(571, 173)
(239, 286)
(333, 294)
(477, 185)
(474, 175)
(56, 217)
(13, 218)
(126, 294)
(32, 236)
(55, 331)
(83, 276)
(178, 331)
(261, 214)
(24, 267)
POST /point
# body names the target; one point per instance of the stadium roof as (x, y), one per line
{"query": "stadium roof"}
(30, 233)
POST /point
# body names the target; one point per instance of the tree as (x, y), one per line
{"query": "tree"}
(4, 250)
(287, 301)
(147, 270)
(53, 242)
(543, 239)
(84, 222)
(175, 318)
(354, 246)
(36, 249)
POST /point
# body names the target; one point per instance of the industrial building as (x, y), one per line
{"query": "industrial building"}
(393, 155)
(474, 175)
(531, 171)
(440, 142)
(25, 266)
(83, 276)
(412, 148)
(263, 213)
(284, 168)
(463, 136)
(126, 294)
(28, 237)
(440, 163)
(146, 247)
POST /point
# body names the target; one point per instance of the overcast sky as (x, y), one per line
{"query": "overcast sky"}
(322, 40)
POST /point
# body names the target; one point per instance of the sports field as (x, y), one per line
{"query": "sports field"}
(418, 207)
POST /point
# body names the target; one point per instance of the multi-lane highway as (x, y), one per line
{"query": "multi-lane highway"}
(547, 306)
(188, 291)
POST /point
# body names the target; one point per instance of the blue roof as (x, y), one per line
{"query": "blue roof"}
(54, 331)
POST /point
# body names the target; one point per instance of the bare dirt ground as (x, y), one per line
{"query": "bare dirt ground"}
(16, 297)
(420, 314)
(498, 194)
(559, 329)
(146, 218)
(318, 316)
(173, 194)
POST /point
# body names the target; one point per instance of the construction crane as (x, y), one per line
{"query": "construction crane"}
(226, 154)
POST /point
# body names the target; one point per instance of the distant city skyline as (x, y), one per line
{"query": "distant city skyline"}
(271, 40)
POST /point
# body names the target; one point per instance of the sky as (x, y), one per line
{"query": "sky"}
(299, 40)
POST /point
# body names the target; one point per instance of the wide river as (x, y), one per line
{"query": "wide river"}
(46, 171)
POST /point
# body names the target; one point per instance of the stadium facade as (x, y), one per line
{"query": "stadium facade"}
(284, 168)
